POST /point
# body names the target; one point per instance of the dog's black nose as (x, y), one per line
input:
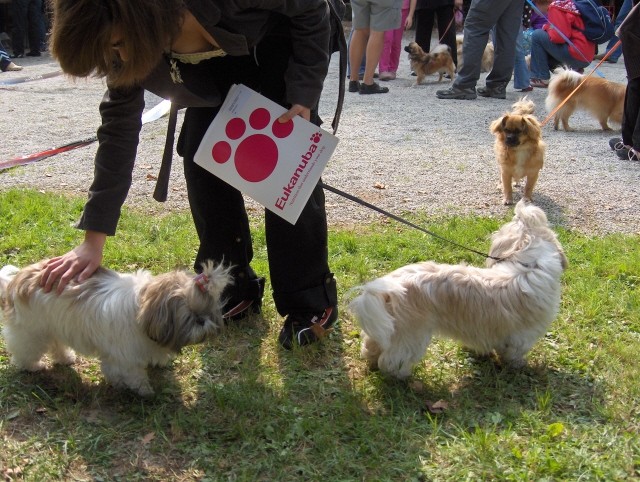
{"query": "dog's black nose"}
(407, 49)
(512, 140)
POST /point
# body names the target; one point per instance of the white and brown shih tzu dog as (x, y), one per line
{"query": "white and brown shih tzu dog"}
(505, 307)
(128, 321)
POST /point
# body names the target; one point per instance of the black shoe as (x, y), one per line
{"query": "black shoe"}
(616, 143)
(18, 56)
(496, 92)
(236, 310)
(627, 154)
(305, 328)
(34, 53)
(456, 93)
(373, 89)
(354, 86)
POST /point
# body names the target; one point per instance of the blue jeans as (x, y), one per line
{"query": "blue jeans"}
(622, 14)
(506, 17)
(520, 69)
(546, 55)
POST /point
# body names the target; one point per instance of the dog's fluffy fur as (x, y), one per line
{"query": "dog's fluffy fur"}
(129, 321)
(487, 56)
(505, 307)
(602, 98)
(437, 61)
(519, 148)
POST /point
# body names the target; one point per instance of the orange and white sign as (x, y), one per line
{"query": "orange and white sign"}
(277, 164)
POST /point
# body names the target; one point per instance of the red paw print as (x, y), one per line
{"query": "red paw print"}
(256, 156)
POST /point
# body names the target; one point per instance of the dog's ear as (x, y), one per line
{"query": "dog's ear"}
(498, 125)
(531, 127)
(158, 304)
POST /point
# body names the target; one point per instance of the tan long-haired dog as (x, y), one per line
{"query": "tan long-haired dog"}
(129, 321)
(487, 56)
(507, 306)
(438, 61)
(519, 148)
(602, 98)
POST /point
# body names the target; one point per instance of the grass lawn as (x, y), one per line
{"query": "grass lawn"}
(240, 408)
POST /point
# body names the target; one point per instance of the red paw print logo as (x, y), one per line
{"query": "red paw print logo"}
(256, 155)
(315, 138)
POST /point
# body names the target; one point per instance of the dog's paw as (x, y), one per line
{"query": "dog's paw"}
(65, 357)
(145, 390)
(32, 367)
(507, 201)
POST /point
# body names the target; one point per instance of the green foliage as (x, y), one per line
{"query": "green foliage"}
(240, 408)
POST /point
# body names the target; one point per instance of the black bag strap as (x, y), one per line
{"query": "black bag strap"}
(162, 184)
(338, 44)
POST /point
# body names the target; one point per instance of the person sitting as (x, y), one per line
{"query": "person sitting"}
(549, 45)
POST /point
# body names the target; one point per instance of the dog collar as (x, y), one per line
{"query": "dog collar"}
(201, 282)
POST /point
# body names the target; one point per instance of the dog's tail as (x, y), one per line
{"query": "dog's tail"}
(6, 275)
(524, 106)
(371, 309)
(530, 215)
(562, 82)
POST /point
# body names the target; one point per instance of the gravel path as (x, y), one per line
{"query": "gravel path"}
(405, 151)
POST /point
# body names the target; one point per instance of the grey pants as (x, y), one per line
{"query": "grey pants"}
(506, 16)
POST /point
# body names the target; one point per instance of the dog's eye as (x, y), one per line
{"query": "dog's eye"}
(200, 320)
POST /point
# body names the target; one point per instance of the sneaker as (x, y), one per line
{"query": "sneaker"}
(599, 56)
(306, 328)
(526, 89)
(18, 56)
(354, 86)
(373, 89)
(616, 143)
(541, 83)
(387, 76)
(627, 154)
(456, 93)
(235, 310)
(496, 92)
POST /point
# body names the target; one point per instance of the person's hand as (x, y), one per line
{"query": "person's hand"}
(79, 263)
(296, 109)
(408, 22)
(458, 4)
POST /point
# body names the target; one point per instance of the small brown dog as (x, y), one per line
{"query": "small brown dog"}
(519, 148)
(437, 61)
(603, 99)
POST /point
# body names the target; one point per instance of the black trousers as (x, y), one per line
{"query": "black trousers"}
(27, 17)
(631, 114)
(297, 254)
(446, 28)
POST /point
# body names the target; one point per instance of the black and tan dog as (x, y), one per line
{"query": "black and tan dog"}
(519, 148)
(437, 61)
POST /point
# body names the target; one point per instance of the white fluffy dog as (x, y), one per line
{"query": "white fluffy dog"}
(129, 321)
(505, 307)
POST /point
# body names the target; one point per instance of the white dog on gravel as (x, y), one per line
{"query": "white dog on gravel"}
(505, 307)
(129, 321)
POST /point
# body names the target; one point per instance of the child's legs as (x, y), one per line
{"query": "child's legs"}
(520, 69)
(385, 64)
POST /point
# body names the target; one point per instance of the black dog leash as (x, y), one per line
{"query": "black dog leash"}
(401, 220)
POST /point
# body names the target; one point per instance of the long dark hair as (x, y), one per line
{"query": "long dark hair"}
(82, 29)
